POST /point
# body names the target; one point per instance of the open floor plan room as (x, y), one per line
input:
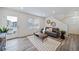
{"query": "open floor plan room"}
(39, 29)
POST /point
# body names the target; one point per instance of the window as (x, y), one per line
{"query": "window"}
(12, 23)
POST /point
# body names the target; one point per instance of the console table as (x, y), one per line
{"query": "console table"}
(2, 44)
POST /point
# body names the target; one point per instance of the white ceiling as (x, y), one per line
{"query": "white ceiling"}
(56, 12)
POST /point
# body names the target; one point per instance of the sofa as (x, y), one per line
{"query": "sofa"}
(53, 32)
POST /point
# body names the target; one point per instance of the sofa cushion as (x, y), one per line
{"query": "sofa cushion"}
(55, 29)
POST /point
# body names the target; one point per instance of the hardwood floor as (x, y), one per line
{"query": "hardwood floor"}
(19, 44)
(70, 44)
(23, 44)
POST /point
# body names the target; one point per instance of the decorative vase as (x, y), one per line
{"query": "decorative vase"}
(2, 35)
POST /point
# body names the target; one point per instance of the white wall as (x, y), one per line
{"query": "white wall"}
(59, 24)
(22, 21)
(1, 16)
(73, 24)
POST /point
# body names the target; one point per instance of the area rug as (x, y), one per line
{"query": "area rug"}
(48, 45)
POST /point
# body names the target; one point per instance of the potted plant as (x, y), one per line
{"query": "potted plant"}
(63, 34)
(3, 31)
